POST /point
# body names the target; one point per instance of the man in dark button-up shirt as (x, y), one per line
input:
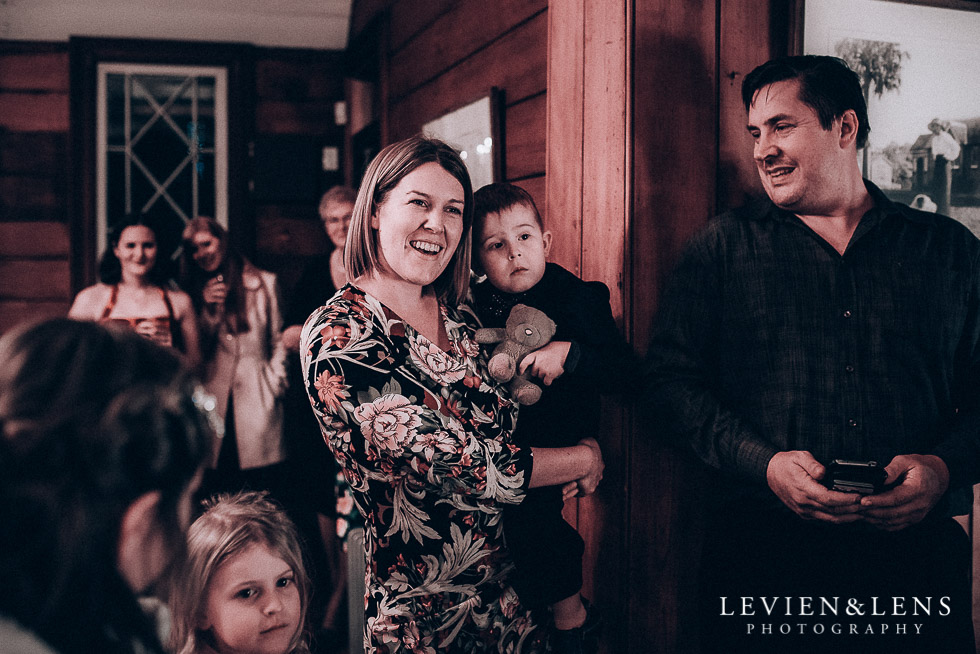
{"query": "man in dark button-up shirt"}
(827, 323)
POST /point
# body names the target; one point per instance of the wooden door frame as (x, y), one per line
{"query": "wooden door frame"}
(84, 55)
(588, 188)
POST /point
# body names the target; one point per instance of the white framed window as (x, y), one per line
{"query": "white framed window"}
(161, 146)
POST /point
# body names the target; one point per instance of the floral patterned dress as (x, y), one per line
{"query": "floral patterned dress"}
(424, 440)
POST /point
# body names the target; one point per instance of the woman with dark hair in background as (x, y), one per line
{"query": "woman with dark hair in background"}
(133, 291)
(244, 361)
(101, 447)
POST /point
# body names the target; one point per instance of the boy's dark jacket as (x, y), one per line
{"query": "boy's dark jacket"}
(598, 362)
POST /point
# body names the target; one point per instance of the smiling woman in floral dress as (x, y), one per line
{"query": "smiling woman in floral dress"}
(422, 432)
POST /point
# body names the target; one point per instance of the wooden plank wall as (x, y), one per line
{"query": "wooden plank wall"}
(645, 142)
(443, 55)
(34, 243)
(691, 160)
(295, 94)
(589, 194)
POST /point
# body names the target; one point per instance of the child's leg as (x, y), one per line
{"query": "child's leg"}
(568, 613)
(577, 626)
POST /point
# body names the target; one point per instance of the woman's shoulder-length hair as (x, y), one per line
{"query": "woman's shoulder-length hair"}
(383, 174)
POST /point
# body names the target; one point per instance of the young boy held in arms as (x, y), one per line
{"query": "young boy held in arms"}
(510, 247)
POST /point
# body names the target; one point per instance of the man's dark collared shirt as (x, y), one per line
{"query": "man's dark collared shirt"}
(770, 340)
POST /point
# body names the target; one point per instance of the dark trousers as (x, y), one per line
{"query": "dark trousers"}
(776, 583)
(547, 551)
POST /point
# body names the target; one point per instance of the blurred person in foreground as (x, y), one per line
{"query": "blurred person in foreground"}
(102, 439)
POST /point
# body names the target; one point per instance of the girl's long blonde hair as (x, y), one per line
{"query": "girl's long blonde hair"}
(230, 525)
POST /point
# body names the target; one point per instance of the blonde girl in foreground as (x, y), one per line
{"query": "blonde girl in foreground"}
(243, 587)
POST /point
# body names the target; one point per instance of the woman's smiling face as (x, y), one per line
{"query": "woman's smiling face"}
(419, 225)
(136, 250)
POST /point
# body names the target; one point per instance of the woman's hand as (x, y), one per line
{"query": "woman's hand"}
(146, 328)
(587, 484)
(291, 336)
(577, 469)
(215, 291)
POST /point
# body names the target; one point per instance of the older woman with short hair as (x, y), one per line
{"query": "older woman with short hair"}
(421, 430)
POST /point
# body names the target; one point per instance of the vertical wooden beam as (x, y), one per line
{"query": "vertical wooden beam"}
(975, 536)
(603, 517)
(675, 132)
(588, 198)
(740, 50)
(566, 54)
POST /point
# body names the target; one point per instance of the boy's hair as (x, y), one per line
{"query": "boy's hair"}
(500, 196)
(230, 525)
(827, 85)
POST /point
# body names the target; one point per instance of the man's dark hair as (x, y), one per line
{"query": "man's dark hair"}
(826, 84)
(500, 196)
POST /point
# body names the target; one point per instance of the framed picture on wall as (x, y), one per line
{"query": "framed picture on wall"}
(474, 131)
(919, 64)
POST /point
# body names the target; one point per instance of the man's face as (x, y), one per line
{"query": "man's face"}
(800, 163)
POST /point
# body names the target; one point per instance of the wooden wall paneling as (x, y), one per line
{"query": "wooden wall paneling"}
(296, 91)
(515, 63)
(410, 18)
(34, 239)
(673, 174)
(525, 129)
(383, 97)
(431, 52)
(14, 312)
(34, 243)
(33, 153)
(566, 49)
(289, 231)
(22, 111)
(315, 117)
(603, 517)
(299, 75)
(34, 279)
(295, 95)
(363, 12)
(536, 187)
(34, 71)
(27, 193)
(974, 529)
(740, 50)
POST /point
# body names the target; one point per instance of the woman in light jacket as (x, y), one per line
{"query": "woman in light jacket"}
(244, 361)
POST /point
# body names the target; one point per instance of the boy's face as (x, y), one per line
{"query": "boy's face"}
(512, 250)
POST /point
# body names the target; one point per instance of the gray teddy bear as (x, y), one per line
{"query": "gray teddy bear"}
(526, 330)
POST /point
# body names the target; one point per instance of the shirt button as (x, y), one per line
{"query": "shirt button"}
(847, 313)
(849, 368)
